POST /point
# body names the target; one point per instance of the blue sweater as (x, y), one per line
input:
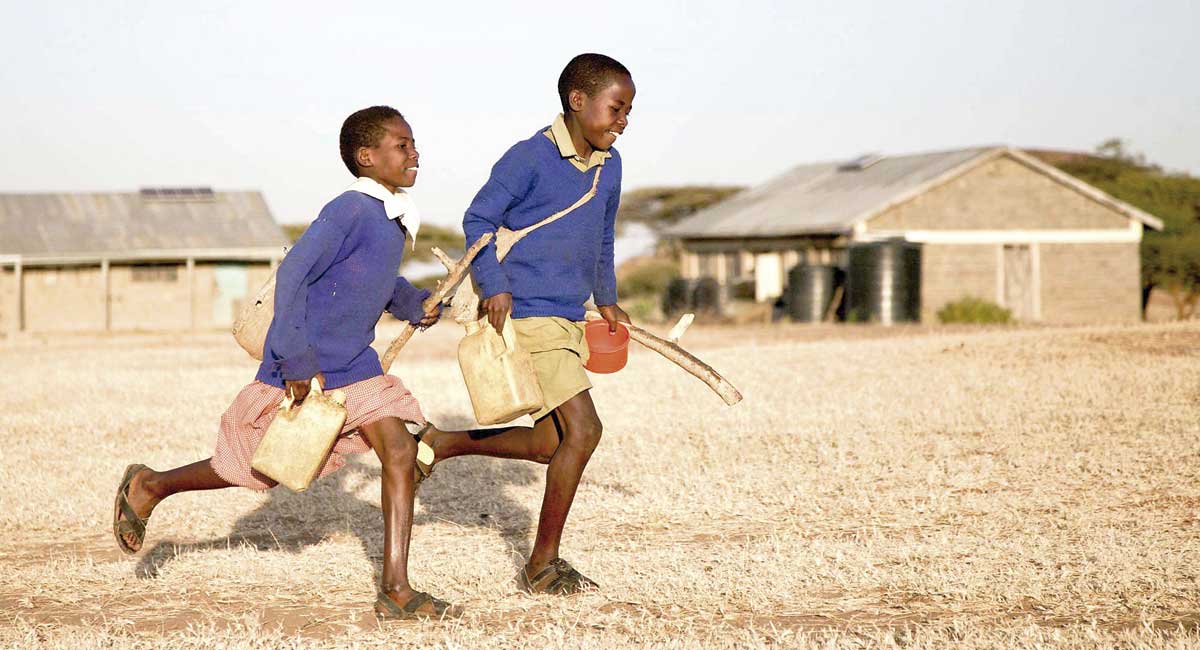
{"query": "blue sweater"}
(330, 290)
(554, 269)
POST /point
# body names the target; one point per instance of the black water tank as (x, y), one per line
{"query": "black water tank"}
(883, 282)
(706, 297)
(809, 292)
(678, 297)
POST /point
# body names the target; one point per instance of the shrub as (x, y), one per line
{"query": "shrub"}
(643, 309)
(973, 310)
(649, 278)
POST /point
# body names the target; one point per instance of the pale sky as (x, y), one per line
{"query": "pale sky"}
(107, 96)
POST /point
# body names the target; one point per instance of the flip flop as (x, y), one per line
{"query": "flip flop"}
(386, 609)
(558, 578)
(423, 466)
(131, 523)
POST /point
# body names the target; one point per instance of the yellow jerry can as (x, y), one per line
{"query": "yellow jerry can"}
(499, 374)
(299, 439)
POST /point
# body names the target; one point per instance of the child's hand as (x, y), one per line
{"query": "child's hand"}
(612, 314)
(299, 388)
(498, 307)
(430, 318)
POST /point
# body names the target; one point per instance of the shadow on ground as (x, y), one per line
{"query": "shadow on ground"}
(469, 491)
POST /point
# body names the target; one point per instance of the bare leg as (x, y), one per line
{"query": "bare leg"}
(581, 434)
(519, 443)
(149, 487)
(397, 452)
(580, 429)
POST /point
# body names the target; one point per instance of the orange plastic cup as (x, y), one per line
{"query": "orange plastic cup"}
(606, 352)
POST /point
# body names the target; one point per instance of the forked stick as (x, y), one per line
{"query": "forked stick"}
(683, 359)
(455, 271)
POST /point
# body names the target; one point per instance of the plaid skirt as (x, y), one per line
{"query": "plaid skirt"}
(245, 423)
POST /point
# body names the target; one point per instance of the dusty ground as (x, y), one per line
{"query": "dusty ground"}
(909, 486)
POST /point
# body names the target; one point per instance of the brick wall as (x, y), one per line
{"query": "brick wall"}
(64, 299)
(1002, 194)
(8, 293)
(1090, 283)
(142, 297)
(151, 297)
(953, 271)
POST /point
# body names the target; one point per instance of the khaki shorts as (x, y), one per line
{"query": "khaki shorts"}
(559, 351)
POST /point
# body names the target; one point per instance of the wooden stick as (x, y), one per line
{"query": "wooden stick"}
(455, 273)
(683, 359)
(443, 258)
(464, 307)
(676, 333)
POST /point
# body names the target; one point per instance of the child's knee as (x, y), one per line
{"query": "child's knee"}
(585, 435)
(401, 452)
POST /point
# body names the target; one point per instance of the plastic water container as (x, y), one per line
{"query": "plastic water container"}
(607, 352)
(499, 375)
(299, 439)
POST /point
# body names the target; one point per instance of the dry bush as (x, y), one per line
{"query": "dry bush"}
(909, 487)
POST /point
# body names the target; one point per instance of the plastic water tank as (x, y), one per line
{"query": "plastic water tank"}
(883, 282)
(678, 297)
(706, 296)
(809, 292)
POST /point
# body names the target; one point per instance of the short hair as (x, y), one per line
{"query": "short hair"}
(363, 129)
(589, 73)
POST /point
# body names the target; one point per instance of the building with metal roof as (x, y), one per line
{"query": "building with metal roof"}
(993, 222)
(156, 259)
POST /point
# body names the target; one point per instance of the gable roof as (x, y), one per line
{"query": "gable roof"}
(832, 198)
(125, 222)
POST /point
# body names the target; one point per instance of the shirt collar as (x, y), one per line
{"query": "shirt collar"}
(398, 205)
(561, 137)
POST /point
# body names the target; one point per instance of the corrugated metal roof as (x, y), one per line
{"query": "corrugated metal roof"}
(831, 198)
(819, 198)
(49, 224)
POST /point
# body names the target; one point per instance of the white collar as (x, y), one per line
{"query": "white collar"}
(398, 205)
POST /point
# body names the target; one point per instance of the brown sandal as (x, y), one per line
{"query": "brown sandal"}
(125, 520)
(423, 466)
(386, 609)
(559, 578)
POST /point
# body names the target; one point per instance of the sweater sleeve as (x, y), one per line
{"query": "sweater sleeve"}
(605, 290)
(308, 259)
(509, 183)
(406, 301)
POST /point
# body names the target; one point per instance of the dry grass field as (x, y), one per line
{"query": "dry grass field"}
(877, 487)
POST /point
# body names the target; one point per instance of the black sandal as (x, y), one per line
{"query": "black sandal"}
(559, 578)
(131, 522)
(386, 609)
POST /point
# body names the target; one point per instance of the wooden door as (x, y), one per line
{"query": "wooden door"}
(1019, 281)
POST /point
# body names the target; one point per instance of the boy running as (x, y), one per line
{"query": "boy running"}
(330, 290)
(543, 284)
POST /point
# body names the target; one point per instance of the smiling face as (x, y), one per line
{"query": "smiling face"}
(393, 161)
(603, 116)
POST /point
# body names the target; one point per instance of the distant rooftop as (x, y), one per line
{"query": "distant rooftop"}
(832, 197)
(151, 219)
